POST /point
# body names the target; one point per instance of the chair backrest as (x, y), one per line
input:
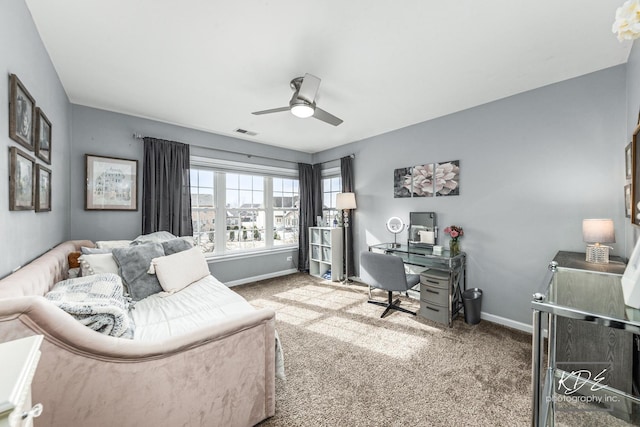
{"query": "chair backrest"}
(383, 271)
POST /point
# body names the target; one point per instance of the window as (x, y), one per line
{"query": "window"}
(257, 212)
(245, 212)
(286, 213)
(203, 212)
(330, 187)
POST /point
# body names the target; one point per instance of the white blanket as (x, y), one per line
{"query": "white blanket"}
(202, 303)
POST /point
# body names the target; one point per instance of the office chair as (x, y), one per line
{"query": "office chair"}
(386, 272)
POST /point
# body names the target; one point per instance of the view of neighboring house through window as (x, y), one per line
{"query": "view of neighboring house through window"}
(259, 211)
(286, 205)
(245, 212)
(330, 187)
(203, 212)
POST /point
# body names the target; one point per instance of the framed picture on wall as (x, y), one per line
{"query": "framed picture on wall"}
(21, 180)
(111, 183)
(43, 189)
(628, 161)
(635, 179)
(627, 200)
(22, 109)
(43, 137)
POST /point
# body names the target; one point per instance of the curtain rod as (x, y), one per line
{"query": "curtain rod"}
(141, 137)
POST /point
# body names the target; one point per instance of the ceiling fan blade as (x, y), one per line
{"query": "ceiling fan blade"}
(320, 114)
(273, 110)
(309, 88)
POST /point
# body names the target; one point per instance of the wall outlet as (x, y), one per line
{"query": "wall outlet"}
(289, 258)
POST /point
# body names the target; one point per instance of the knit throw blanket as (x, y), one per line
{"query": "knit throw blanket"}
(97, 302)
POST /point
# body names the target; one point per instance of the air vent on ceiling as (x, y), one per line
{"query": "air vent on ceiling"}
(246, 132)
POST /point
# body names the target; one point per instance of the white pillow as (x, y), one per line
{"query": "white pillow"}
(179, 270)
(113, 244)
(97, 263)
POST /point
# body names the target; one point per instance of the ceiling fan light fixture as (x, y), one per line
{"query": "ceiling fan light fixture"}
(302, 110)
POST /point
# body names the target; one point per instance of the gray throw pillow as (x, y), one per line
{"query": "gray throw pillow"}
(157, 237)
(176, 245)
(134, 263)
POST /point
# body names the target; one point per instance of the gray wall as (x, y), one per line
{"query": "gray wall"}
(27, 234)
(111, 134)
(532, 167)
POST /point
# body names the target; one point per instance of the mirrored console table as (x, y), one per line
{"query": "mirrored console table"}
(442, 279)
(591, 361)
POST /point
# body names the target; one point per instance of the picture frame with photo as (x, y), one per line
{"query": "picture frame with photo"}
(21, 180)
(43, 189)
(43, 137)
(628, 160)
(22, 108)
(627, 200)
(111, 183)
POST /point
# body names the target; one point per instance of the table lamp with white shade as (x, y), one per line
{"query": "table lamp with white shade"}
(598, 232)
(346, 202)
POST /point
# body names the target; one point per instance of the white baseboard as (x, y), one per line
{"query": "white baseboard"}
(506, 322)
(261, 277)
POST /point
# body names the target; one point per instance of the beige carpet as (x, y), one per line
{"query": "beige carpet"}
(347, 367)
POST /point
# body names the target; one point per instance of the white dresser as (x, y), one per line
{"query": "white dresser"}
(18, 360)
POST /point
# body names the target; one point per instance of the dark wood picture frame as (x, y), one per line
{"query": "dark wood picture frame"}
(635, 180)
(43, 189)
(111, 183)
(21, 181)
(43, 137)
(22, 109)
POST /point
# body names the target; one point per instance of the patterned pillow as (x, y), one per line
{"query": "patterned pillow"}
(134, 262)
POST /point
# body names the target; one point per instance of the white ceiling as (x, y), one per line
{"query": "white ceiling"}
(207, 64)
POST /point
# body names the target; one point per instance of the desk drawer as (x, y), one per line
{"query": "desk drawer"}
(437, 278)
(434, 312)
(434, 295)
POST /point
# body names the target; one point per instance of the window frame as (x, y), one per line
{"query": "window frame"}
(220, 169)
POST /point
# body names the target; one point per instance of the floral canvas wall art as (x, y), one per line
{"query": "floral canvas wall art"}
(402, 182)
(422, 180)
(427, 180)
(447, 178)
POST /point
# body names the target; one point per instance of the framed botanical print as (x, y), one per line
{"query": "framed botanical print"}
(111, 183)
(43, 137)
(627, 200)
(21, 180)
(22, 109)
(43, 189)
(628, 161)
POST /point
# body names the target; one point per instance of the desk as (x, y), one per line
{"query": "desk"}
(444, 272)
(589, 329)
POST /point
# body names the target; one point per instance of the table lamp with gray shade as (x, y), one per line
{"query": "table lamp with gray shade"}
(345, 202)
(596, 233)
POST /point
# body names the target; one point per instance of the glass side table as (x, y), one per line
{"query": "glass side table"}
(588, 375)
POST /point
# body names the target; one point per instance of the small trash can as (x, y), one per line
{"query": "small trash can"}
(472, 301)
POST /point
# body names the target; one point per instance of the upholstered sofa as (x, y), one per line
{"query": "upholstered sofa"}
(221, 374)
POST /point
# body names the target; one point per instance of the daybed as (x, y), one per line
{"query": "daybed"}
(220, 374)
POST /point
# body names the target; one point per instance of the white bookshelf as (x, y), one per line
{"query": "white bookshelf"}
(325, 251)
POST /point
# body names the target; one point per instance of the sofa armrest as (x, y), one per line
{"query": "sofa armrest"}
(222, 374)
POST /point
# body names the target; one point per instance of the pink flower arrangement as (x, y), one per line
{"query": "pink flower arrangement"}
(454, 231)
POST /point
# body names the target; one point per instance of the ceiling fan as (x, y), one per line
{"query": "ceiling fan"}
(303, 101)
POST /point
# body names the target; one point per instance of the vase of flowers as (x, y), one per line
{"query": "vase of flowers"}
(455, 233)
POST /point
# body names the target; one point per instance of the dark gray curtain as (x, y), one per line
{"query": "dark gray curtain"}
(346, 172)
(166, 191)
(310, 206)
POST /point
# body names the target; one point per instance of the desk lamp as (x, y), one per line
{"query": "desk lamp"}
(595, 232)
